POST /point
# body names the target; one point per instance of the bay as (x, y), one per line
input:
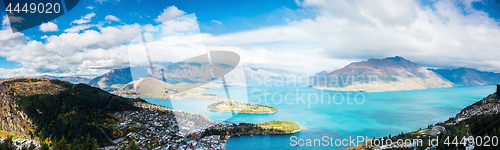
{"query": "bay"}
(336, 115)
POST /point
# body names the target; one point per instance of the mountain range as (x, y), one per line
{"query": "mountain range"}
(377, 75)
(373, 75)
(193, 73)
(467, 76)
(397, 73)
(72, 79)
(154, 88)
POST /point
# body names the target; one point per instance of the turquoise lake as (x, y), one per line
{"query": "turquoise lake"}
(367, 114)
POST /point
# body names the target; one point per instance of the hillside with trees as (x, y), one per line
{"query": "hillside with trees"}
(51, 109)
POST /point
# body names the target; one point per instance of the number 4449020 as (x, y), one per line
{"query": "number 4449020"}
(477, 141)
(33, 8)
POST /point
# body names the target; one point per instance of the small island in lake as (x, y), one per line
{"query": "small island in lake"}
(154, 88)
(285, 126)
(241, 107)
(271, 127)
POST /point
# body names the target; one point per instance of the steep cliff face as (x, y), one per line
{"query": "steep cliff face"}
(10, 119)
(376, 75)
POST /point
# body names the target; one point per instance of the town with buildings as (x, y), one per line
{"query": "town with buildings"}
(156, 127)
(20, 143)
(489, 105)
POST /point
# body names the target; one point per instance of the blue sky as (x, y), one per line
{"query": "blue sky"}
(234, 15)
(322, 34)
(215, 17)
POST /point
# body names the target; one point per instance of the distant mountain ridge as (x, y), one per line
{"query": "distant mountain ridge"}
(377, 75)
(192, 72)
(152, 88)
(466, 76)
(113, 79)
(72, 79)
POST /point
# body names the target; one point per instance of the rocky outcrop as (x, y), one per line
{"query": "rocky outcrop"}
(13, 120)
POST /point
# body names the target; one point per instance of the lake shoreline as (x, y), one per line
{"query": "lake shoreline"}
(241, 112)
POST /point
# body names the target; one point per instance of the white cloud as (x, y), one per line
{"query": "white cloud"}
(342, 31)
(440, 35)
(263, 35)
(8, 40)
(217, 22)
(179, 25)
(102, 1)
(90, 7)
(169, 13)
(17, 72)
(87, 53)
(11, 41)
(304, 61)
(94, 52)
(84, 19)
(79, 28)
(5, 22)
(111, 18)
(49, 27)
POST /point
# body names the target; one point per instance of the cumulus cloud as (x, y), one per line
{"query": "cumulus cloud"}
(174, 40)
(79, 28)
(17, 72)
(439, 35)
(87, 53)
(9, 40)
(179, 26)
(94, 52)
(169, 13)
(49, 27)
(303, 61)
(111, 18)
(5, 22)
(84, 19)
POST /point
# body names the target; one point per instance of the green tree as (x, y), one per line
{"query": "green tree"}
(89, 144)
(7, 144)
(44, 147)
(61, 145)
